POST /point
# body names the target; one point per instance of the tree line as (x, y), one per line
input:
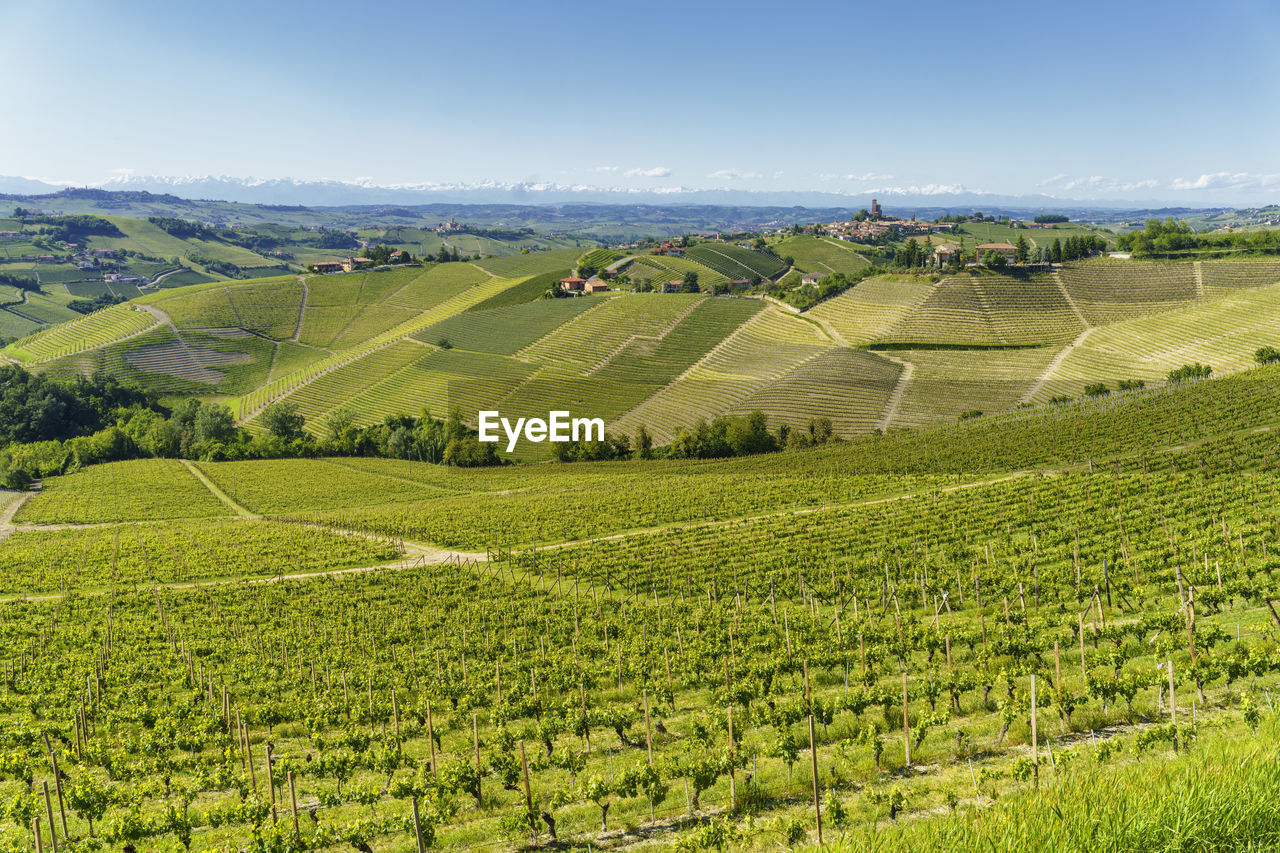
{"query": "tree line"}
(1171, 237)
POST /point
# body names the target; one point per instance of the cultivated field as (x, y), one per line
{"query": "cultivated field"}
(970, 636)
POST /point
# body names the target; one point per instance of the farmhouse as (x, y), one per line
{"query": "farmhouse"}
(945, 254)
(327, 266)
(597, 286)
(813, 277)
(1009, 251)
(573, 284)
(351, 264)
(672, 286)
(669, 249)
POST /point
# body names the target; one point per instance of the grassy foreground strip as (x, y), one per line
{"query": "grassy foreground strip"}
(1222, 794)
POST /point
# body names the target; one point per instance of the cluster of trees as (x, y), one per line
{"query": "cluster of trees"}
(36, 408)
(227, 268)
(1074, 248)
(102, 300)
(447, 255)
(249, 239)
(335, 240)
(20, 281)
(381, 255)
(74, 228)
(808, 295)
(744, 435)
(49, 427)
(1101, 389)
(1172, 237)
(1051, 218)
(1191, 371)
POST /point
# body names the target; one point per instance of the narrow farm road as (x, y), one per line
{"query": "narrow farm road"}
(899, 390)
(1053, 366)
(217, 492)
(16, 500)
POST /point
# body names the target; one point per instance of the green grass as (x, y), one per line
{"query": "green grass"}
(527, 291)
(507, 330)
(312, 485)
(1223, 794)
(534, 263)
(14, 326)
(821, 254)
(269, 308)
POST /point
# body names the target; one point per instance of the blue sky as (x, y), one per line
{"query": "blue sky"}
(1171, 101)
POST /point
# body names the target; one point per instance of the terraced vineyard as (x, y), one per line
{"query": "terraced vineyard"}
(735, 262)
(656, 269)
(698, 654)
(849, 387)
(505, 331)
(638, 359)
(1108, 291)
(986, 311)
(869, 310)
(760, 352)
(87, 333)
(1223, 332)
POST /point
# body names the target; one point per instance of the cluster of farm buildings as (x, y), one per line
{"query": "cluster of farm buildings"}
(352, 264)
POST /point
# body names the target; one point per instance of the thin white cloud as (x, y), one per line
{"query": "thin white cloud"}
(734, 175)
(608, 169)
(869, 176)
(927, 189)
(1226, 181)
(1097, 184)
(655, 172)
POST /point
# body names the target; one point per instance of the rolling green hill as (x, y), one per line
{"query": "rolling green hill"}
(888, 353)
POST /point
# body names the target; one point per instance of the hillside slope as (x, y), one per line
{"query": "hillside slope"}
(887, 353)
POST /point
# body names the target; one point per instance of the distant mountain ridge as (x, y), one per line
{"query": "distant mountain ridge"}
(334, 193)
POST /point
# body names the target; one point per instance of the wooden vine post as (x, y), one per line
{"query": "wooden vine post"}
(528, 794)
(293, 804)
(906, 721)
(57, 781)
(1173, 706)
(271, 785)
(475, 736)
(733, 790)
(48, 807)
(813, 758)
(1035, 741)
(417, 824)
(431, 739)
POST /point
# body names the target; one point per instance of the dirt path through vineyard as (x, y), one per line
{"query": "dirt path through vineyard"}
(10, 510)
